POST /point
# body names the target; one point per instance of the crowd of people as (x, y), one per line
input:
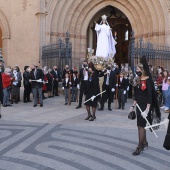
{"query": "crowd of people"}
(38, 81)
(118, 83)
(35, 80)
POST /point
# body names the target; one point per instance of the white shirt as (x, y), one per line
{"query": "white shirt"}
(85, 75)
(108, 75)
(66, 81)
(16, 79)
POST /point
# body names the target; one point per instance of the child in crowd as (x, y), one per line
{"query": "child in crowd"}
(66, 88)
(127, 85)
(75, 86)
(122, 87)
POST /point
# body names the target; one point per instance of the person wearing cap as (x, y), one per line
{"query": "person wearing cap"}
(6, 83)
(27, 84)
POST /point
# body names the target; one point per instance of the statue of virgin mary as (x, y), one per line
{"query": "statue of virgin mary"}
(105, 41)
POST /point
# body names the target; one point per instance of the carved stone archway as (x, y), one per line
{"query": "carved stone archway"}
(147, 19)
(5, 34)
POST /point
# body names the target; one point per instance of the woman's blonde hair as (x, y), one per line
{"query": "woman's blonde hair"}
(137, 80)
(142, 69)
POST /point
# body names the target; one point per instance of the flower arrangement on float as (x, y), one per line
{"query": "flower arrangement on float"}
(101, 62)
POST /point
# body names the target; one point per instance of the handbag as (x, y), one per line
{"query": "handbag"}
(132, 115)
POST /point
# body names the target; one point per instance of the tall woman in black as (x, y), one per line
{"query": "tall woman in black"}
(143, 97)
(91, 92)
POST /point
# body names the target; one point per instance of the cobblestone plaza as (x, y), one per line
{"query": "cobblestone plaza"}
(57, 137)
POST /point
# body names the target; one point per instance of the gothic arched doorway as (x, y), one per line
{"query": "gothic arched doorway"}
(121, 29)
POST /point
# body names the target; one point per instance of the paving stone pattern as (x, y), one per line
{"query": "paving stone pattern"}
(71, 143)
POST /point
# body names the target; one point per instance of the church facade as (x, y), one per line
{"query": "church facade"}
(27, 25)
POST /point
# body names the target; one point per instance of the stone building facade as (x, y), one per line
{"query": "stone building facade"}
(27, 25)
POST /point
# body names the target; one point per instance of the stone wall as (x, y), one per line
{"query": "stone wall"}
(27, 25)
(20, 32)
(149, 19)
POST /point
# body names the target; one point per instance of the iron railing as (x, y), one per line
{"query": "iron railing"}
(157, 55)
(59, 54)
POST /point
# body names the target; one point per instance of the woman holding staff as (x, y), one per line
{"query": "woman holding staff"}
(145, 97)
(92, 90)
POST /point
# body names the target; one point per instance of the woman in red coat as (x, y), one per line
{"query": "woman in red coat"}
(6, 83)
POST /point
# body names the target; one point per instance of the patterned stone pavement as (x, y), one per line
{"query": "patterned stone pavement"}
(62, 140)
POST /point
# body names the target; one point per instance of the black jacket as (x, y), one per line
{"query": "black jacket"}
(66, 85)
(112, 79)
(26, 77)
(81, 74)
(39, 75)
(74, 82)
(123, 84)
(55, 76)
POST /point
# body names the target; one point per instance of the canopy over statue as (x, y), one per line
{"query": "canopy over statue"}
(105, 41)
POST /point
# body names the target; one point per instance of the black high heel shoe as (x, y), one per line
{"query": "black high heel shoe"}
(88, 117)
(92, 118)
(145, 145)
(138, 151)
(0, 115)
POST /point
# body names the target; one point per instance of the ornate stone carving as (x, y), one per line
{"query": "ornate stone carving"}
(63, 35)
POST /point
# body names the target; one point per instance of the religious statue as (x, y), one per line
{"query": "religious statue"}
(105, 41)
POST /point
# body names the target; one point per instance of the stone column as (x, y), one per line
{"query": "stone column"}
(41, 14)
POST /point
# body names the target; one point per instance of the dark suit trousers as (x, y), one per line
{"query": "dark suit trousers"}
(55, 88)
(107, 95)
(83, 88)
(27, 91)
(121, 98)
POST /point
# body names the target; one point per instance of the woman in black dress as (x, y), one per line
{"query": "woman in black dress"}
(143, 97)
(92, 90)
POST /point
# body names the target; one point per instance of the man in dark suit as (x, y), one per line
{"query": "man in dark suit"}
(83, 79)
(27, 85)
(116, 72)
(37, 76)
(56, 75)
(109, 85)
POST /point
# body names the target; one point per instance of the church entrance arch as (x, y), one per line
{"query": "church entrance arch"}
(4, 35)
(121, 29)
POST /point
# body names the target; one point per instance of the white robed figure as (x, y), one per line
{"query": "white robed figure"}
(105, 41)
